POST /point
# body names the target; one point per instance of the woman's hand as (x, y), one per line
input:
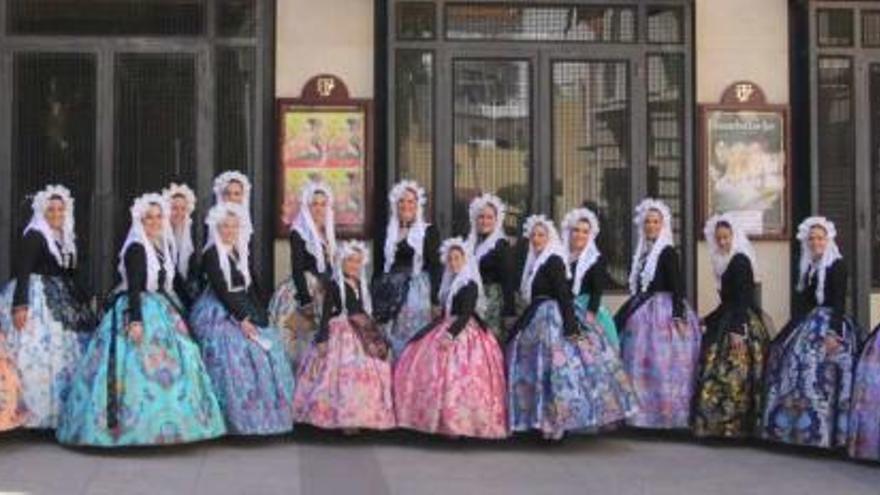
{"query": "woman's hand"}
(20, 317)
(250, 330)
(436, 312)
(590, 317)
(308, 311)
(136, 332)
(680, 327)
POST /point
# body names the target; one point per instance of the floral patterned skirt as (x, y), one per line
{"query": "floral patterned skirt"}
(661, 361)
(297, 330)
(493, 312)
(864, 424)
(808, 381)
(156, 392)
(730, 382)
(414, 313)
(48, 350)
(453, 387)
(12, 410)
(341, 384)
(253, 385)
(603, 318)
(557, 384)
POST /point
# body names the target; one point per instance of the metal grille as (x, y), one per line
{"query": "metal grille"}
(414, 116)
(836, 148)
(835, 27)
(107, 17)
(155, 125)
(666, 123)
(665, 25)
(874, 95)
(416, 21)
(236, 18)
(517, 22)
(492, 124)
(235, 104)
(54, 136)
(871, 28)
(592, 152)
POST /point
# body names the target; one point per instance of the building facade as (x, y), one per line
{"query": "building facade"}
(546, 103)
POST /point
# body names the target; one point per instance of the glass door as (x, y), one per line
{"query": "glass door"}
(492, 135)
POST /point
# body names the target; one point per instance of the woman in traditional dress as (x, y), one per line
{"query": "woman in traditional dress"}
(12, 410)
(809, 373)
(450, 378)
(141, 380)
(580, 228)
(187, 283)
(561, 377)
(345, 378)
(296, 306)
(43, 312)
(659, 332)
(727, 401)
(405, 294)
(495, 260)
(244, 356)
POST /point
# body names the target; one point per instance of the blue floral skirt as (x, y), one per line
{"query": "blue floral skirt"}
(864, 423)
(412, 315)
(557, 384)
(253, 385)
(156, 392)
(48, 350)
(808, 381)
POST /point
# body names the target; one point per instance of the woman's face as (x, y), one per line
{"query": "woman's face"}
(178, 211)
(539, 238)
(352, 264)
(407, 207)
(653, 225)
(152, 222)
(817, 241)
(456, 260)
(228, 230)
(318, 208)
(723, 238)
(579, 236)
(234, 192)
(486, 220)
(55, 213)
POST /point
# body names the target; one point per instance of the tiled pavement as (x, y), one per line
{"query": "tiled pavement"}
(322, 463)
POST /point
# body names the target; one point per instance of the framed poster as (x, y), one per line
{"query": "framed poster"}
(324, 136)
(744, 169)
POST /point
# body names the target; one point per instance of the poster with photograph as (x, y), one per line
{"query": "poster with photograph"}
(745, 169)
(327, 145)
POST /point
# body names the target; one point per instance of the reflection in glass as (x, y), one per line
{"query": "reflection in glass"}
(591, 152)
(107, 17)
(235, 107)
(492, 136)
(414, 117)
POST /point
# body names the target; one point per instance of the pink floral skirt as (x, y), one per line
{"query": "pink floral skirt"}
(453, 387)
(340, 385)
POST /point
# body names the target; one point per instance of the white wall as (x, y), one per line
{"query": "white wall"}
(316, 37)
(737, 40)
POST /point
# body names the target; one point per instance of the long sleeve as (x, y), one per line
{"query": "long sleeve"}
(136, 273)
(332, 307)
(562, 293)
(299, 265)
(742, 282)
(835, 291)
(507, 261)
(594, 284)
(32, 246)
(432, 263)
(672, 273)
(235, 305)
(464, 307)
